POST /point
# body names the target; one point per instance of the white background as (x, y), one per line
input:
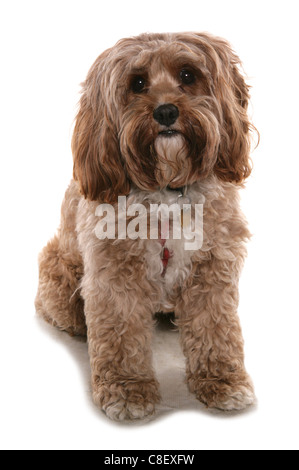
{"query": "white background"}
(47, 48)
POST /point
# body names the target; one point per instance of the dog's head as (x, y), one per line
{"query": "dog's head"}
(161, 110)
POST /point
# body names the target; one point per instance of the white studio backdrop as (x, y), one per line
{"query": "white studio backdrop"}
(46, 50)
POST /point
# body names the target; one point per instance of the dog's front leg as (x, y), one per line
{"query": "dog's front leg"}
(212, 338)
(119, 318)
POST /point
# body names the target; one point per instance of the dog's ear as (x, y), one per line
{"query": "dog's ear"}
(98, 166)
(233, 163)
(232, 93)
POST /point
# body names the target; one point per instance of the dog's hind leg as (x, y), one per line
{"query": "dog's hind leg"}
(58, 298)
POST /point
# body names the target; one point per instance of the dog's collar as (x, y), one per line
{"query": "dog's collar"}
(182, 189)
(182, 196)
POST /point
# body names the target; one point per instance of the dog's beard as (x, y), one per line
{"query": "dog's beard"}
(173, 166)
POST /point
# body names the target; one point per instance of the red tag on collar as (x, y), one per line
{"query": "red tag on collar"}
(166, 255)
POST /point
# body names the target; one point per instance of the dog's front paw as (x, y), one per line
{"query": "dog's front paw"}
(127, 400)
(227, 395)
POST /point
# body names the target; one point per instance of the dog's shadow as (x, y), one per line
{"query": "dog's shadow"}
(169, 365)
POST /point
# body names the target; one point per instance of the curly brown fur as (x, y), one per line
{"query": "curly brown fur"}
(112, 289)
(60, 271)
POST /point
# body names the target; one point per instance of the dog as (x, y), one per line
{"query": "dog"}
(162, 118)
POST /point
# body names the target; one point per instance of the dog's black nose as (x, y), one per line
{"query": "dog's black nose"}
(166, 114)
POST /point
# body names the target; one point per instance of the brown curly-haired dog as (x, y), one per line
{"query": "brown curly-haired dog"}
(160, 115)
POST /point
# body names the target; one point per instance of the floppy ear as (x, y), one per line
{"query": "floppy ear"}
(97, 160)
(233, 163)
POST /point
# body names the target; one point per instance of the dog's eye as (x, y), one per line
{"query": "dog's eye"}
(187, 77)
(138, 84)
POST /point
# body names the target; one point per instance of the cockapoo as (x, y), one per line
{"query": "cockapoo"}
(162, 118)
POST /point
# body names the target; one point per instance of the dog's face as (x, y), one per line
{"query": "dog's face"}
(161, 110)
